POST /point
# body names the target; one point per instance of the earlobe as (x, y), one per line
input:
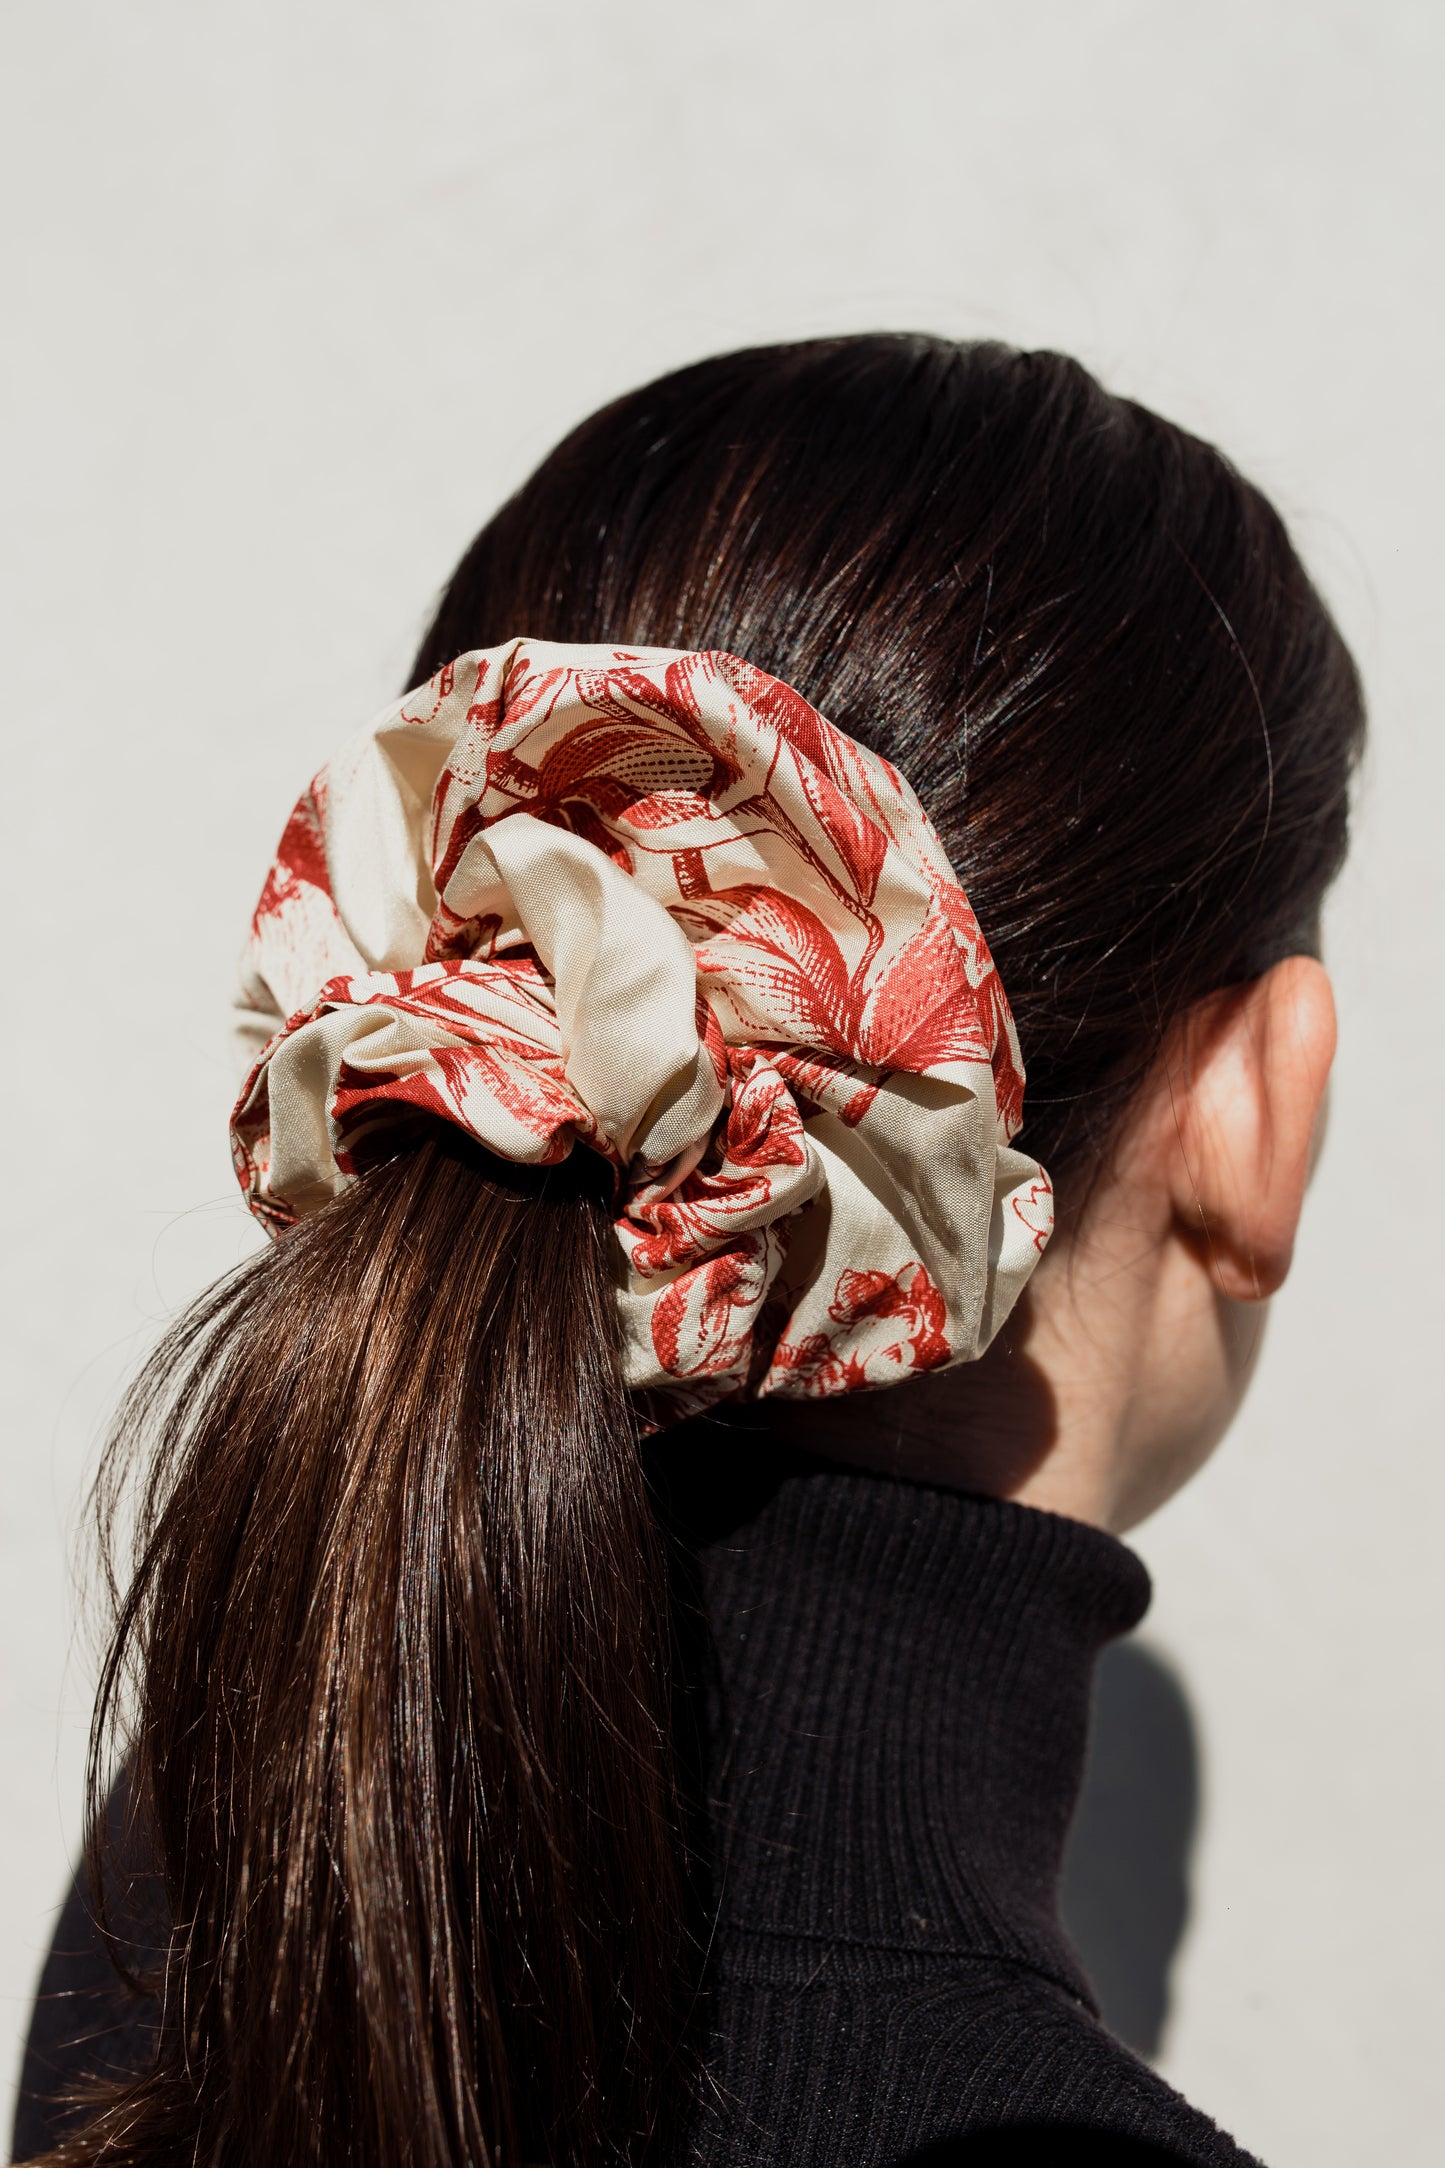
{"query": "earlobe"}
(1247, 1091)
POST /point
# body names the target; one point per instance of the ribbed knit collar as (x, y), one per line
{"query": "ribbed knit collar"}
(893, 1711)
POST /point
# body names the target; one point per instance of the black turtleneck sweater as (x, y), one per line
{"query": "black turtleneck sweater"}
(889, 1702)
(893, 1735)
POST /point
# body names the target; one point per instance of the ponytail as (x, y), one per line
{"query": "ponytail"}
(395, 1664)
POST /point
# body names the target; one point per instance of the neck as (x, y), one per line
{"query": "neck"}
(1110, 1383)
(893, 1730)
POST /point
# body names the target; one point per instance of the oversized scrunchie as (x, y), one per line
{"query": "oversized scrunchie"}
(653, 903)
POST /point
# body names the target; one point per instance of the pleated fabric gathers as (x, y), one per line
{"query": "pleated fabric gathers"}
(652, 903)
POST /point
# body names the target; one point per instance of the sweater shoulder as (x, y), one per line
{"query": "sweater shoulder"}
(880, 2064)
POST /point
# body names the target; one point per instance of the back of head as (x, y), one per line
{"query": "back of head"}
(1082, 636)
(397, 1639)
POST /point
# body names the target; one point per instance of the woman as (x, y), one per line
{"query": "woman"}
(502, 1789)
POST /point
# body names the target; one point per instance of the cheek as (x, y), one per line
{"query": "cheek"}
(1196, 1365)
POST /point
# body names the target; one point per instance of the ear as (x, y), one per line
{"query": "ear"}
(1247, 1078)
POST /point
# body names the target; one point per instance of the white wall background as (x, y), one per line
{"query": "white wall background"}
(296, 291)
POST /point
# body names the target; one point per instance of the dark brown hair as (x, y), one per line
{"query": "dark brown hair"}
(392, 1671)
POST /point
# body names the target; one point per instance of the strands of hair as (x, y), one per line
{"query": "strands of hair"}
(399, 1703)
(392, 1672)
(1084, 639)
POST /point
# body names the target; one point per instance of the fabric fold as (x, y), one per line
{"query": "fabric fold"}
(653, 903)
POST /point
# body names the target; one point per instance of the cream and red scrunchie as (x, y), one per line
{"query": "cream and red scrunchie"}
(655, 904)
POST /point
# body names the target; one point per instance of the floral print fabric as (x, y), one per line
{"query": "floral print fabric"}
(654, 904)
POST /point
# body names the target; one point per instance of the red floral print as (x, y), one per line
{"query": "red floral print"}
(893, 1326)
(655, 904)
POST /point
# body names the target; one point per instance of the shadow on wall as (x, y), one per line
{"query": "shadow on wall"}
(1126, 1871)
